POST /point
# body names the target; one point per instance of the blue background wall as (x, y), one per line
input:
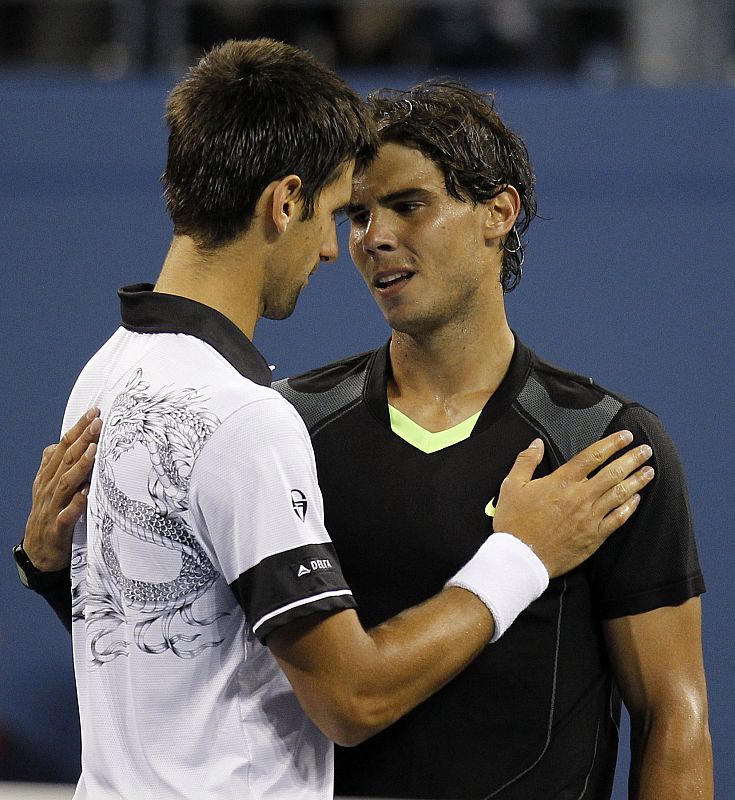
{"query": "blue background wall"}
(629, 278)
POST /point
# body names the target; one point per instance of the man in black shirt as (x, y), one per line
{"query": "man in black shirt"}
(433, 420)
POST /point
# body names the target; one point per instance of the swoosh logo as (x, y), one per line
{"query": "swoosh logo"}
(490, 508)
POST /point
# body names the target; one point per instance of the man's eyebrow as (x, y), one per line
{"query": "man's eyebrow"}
(412, 193)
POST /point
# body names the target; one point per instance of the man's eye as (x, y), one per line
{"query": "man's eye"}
(359, 217)
(407, 208)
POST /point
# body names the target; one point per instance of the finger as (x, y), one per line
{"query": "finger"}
(619, 516)
(623, 491)
(42, 475)
(594, 456)
(78, 448)
(69, 438)
(618, 470)
(71, 514)
(526, 462)
(72, 480)
(46, 455)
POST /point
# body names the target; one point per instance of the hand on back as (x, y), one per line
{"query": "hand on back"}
(60, 494)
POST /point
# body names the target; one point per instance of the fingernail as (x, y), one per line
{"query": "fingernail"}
(85, 491)
(626, 436)
(648, 472)
(92, 413)
(536, 443)
(91, 450)
(646, 451)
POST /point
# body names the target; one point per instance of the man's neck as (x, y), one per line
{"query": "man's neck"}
(218, 280)
(441, 380)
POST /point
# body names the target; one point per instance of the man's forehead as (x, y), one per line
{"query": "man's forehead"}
(338, 191)
(397, 167)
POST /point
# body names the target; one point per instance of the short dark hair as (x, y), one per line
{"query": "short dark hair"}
(248, 113)
(462, 133)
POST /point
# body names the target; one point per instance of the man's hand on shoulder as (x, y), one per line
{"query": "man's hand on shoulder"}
(60, 494)
(565, 516)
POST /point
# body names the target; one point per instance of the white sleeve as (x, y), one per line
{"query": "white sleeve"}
(255, 503)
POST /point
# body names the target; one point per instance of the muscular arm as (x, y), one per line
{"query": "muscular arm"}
(657, 661)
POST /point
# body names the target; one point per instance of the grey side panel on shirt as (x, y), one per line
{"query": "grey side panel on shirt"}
(571, 429)
(318, 409)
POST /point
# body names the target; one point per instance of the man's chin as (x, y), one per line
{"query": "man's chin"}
(280, 311)
(410, 325)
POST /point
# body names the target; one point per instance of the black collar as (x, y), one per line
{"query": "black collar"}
(146, 311)
(379, 373)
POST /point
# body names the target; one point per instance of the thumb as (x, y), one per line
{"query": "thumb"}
(526, 463)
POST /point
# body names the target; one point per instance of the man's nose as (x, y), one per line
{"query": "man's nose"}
(330, 249)
(379, 235)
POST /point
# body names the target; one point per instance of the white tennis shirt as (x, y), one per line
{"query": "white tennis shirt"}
(204, 532)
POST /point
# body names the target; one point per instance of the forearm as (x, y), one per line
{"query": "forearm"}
(671, 757)
(59, 598)
(375, 677)
(422, 649)
(53, 585)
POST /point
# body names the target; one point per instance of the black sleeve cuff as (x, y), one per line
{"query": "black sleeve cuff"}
(673, 595)
(289, 585)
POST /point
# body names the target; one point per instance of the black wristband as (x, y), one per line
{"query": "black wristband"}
(32, 577)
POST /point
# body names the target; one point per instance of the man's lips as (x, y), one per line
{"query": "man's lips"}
(390, 281)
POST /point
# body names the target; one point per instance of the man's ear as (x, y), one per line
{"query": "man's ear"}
(501, 214)
(283, 202)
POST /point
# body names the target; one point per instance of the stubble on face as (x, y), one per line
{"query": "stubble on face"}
(309, 242)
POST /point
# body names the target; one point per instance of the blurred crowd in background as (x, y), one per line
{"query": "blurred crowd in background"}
(602, 42)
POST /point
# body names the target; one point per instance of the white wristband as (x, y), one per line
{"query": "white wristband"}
(506, 575)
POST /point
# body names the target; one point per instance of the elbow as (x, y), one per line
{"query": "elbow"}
(350, 719)
(680, 725)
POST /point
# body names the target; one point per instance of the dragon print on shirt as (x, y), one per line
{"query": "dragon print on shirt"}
(168, 428)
